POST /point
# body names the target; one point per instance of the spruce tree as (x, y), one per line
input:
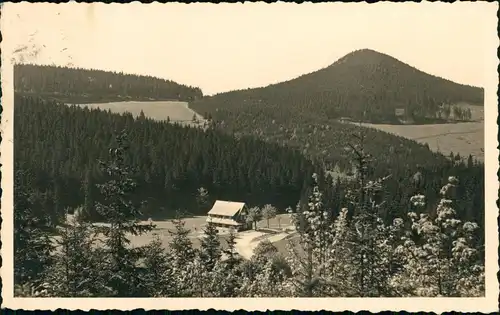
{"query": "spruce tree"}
(210, 250)
(157, 279)
(75, 271)
(181, 254)
(141, 116)
(226, 276)
(88, 211)
(32, 235)
(308, 255)
(232, 256)
(58, 210)
(369, 270)
(123, 218)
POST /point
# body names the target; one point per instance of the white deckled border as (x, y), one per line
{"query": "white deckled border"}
(438, 305)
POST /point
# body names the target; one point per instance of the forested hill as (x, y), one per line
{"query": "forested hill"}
(76, 85)
(364, 85)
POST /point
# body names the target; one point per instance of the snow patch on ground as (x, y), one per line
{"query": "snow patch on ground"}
(246, 241)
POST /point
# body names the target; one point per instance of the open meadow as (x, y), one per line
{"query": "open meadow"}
(463, 137)
(176, 111)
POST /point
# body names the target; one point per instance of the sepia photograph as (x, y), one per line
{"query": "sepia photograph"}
(171, 151)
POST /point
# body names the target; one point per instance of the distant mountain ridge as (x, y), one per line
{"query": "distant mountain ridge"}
(364, 85)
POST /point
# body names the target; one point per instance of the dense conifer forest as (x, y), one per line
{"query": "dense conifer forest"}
(60, 144)
(363, 86)
(79, 86)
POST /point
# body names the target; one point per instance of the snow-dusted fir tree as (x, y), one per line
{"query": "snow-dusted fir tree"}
(75, 271)
(310, 250)
(123, 217)
(366, 234)
(182, 255)
(210, 249)
(215, 270)
(222, 281)
(157, 278)
(443, 261)
(348, 255)
(267, 282)
(227, 272)
(232, 257)
(339, 263)
(196, 279)
(265, 273)
(369, 248)
(32, 237)
(201, 269)
(273, 279)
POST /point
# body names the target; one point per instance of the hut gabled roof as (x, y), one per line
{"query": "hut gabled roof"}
(226, 208)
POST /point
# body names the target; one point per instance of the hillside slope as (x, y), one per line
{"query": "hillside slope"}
(364, 85)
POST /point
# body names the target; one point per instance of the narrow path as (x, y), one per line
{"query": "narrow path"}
(278, 237)
(246, 243)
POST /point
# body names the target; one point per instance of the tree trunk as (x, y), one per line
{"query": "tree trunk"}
(309, 289)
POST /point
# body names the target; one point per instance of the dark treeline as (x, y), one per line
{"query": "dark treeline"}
(364, 86)
(75, 85)
(59, 145)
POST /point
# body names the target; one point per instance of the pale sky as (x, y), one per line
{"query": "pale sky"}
(221, 47)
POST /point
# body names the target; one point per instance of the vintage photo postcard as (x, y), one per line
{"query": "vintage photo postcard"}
(250, 156)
